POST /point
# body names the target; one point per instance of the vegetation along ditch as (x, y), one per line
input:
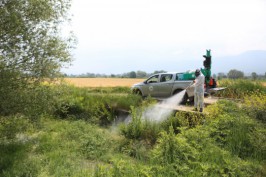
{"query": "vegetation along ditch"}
(73, 135)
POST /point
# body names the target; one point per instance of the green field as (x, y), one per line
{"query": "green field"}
(74, 135)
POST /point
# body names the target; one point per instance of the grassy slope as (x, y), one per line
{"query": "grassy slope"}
(226, 145)
(57, 148)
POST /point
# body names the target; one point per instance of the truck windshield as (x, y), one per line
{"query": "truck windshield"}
(153, 79)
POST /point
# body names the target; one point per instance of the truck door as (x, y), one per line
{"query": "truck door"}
(151, 86)
(165, 86)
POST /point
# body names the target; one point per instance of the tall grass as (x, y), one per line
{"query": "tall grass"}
(224, 142)
(56, 148)
(255, 106)
(95, 107)
(228, 140)
(240, 88)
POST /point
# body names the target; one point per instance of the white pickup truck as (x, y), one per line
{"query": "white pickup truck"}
(164, 85)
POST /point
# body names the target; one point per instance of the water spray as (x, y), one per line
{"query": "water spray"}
(164, 109)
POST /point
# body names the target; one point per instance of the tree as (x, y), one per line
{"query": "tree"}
(31, 48)
(221, 75)
(235, 74)
(141, 74)
(254, 75)
(159, 71)
(29, 37)
(132, 74)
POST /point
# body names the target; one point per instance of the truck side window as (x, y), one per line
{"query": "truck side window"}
(166, 77)
(179, 76)
(176, 77)
(163, 79)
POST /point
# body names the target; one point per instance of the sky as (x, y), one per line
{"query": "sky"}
(119, 36)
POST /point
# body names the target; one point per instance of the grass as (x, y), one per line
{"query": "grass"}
(56, 148)
(95, 107)
(240, 88)
(228, 141)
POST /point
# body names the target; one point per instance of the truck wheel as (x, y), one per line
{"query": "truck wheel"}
(137, 92)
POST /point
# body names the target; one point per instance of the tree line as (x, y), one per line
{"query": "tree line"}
(131, 74)
(232, 74)
(237, 74)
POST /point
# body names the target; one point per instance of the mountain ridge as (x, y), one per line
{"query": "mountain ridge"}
(247, 62)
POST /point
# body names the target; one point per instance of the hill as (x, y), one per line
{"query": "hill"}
(248, 62)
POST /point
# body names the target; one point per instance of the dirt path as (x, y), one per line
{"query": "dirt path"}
(189, 108)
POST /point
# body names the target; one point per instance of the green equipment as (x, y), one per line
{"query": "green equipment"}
(189, 75)
(206, 71)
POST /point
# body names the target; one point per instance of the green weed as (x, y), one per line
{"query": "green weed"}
(171, 149)
(139, 128)
(134, 129)
(229, 140)
(118, 90)
(255, 106)
(79, 103)
(239, 88)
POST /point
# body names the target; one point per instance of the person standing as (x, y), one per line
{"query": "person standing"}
(199, 91)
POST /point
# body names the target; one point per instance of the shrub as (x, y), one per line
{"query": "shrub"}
(95, 145)
(173, 149)
(108, 90)
(140, 128)
(135, 128)
(15, 144)
(194, 152)
(141, 134)
(190, 119)
(135, 148)
(97, 108)
(239, 135)
(121, 168)
(31, 102)
(102, 170)
(13, 125)
(223, 107)
(239, 88)
(175, 122)
(255, 106)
